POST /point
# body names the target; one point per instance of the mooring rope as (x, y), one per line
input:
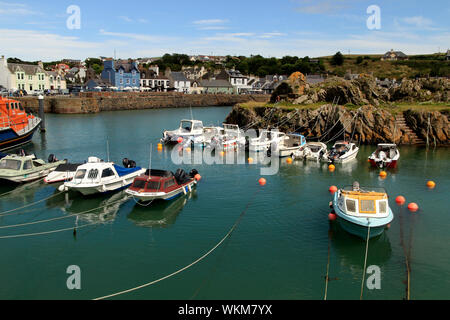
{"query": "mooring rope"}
(15, 189)
(7, 213)
(189, 265)
(47, 232)
(63, 217)
(343, 129)
(365, 263)
(327, 278)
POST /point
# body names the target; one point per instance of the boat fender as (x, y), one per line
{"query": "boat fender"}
(190, 188)
(184, 191)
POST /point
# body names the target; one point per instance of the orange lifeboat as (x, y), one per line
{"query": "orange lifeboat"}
(16, 126)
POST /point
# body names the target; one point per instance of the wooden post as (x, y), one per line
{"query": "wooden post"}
(41, 112)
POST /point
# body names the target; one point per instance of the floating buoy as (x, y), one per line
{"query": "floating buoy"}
(222, 153)
(333, 189)
(250, 160)
(160, 146)
(289, 160)
(262, 182)
(431, 184)
(188, 149)
(198, 177)
(400, 200)
(332, 167)
(180, 140)
(413, 207)
(388, 226)
(332, 217)
(383, 174)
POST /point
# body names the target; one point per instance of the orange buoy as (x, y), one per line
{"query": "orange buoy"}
(400, 200)
(388, 226)
(262, 182)
(431, 184)
(188, 149)
(333, 189)
(383, 174)
(250, 160)
(289, 160)
(198, 177)
(160, 146)
(332, 167)
(332, 217)
(222, 153)
(180, 140)
(413, 207)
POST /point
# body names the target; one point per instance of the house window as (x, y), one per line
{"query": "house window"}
(128, 81)
(134, 81)
(121, 81)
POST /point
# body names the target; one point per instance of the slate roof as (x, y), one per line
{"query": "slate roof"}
(215, 84)
(178, 76)
(29, 69)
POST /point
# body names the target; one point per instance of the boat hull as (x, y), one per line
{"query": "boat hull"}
(150, 196)
(390, 165)
(347, 158)
(360, 231)
(9, 139)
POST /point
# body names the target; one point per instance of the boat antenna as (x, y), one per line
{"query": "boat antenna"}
(150, 160)
(192, 116)
(107, 149)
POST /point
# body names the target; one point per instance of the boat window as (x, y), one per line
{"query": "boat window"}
(351, 205)
(367, 206)
(20, 107)
(37, 164)
(140, 184)
(7, 106)
(107, 173)
(382, 206)
(169, 183)
(153, 185)
(27, 165)
(93, 173)
(198, 126)
(186, 125)
(80, 174)
(10, 164)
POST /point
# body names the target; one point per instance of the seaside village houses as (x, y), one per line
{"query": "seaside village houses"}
(122, 75)
(151, 80)
(29, 78)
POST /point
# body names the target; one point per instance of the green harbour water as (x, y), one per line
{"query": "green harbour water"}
(278, 251)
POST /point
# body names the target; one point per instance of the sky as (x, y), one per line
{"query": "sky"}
(39, 30)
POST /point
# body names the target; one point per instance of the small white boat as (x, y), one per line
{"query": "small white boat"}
(343, 151)
(287, 147)
(386, 156)
(312, 151)
(163, 185)
(229, 138)
(97, 176)
(26, 168)
(266, 140)
(63, 173)
(205, 139)
(188, 130)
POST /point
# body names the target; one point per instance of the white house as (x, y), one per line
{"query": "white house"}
(237, 80)
(179, 81)
(15, 76)
(55, 81)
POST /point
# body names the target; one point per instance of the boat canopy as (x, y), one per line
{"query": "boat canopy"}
(158, 173)
(121, 171)
(71, 167)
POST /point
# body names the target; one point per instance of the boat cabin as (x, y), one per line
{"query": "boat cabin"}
(364, 202)
(191, 126)
(294, 140)
(390, 150)
(13, 115)
(17, 163)
(98, 170)
(160, 181)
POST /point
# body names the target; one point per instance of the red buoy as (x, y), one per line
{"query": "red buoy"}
(332, 217)
(262, 182)
(400, 200)
(333, 189)
(413, 207)
(198, 177)
(180, 140)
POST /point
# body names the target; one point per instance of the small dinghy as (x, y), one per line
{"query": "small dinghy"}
(358, 208)
(63, 173)
(97, 176)
(386, 156)
(343, 151)
(287, 147)
(165, 185)
(312, 151)
(265, 140)
(188, 130)
(26, 168)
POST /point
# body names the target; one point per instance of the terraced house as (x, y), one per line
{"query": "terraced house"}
(27, 77)
(123, 74)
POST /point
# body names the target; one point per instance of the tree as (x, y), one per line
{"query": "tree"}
(359, 60)
(338, 59)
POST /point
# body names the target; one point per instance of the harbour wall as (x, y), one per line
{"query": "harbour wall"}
(95, 102)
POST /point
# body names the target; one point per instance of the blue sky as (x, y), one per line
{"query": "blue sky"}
(37, 30)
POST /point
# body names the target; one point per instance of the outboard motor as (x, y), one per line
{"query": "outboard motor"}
(181, 176)
(131, 164)
(193, 173)
(125, 162)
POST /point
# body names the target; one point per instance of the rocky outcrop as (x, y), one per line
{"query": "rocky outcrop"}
(367, 124)
(432, 126)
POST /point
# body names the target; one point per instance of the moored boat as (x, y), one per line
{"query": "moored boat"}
(312, 151)
(97, 176)
(63, 173)
(359, 208)
(188, 130)
(266, 140)
(343, 151)
(26, 168)
(16, 126)
(163, 185)
(287, 146)
(386, 156)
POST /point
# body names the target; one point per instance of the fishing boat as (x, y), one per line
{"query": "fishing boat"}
(204, 139)
(386, 156)
(97, 176)
(343, 151)
(164, 185)
(312, 151)
(16, 126)
(26, 168)
(286, 147)
(266, 140)
(358, 208)
(229, 138)
(63, 173)
(188, 130)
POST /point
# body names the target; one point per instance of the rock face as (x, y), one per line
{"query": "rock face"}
(431, 126)
(364, 90)
(368, 124)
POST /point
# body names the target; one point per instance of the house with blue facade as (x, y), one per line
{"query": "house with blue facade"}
(122, 74)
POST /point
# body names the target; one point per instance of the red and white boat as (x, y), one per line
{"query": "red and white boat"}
(386, 156)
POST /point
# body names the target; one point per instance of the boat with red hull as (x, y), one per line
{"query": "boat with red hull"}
(16, 126)
(386, 156)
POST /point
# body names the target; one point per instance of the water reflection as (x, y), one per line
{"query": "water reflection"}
(160, 214)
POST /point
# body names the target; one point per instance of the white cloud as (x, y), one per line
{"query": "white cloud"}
(269, 35)
(210, 21)
(418, 21)
(321, 6)
(126, 19)
(8, 8)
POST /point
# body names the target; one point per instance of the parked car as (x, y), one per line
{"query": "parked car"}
(37, 92)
